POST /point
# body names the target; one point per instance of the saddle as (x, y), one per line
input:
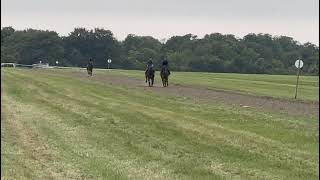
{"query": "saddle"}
(150, 70)
(165, 68)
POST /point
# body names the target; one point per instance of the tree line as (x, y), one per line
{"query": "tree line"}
(254, 53)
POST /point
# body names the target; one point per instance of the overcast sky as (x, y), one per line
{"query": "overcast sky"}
(165, 18)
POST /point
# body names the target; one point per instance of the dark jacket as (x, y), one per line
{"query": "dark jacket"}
(149, 64)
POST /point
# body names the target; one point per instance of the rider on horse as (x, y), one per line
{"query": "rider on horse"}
(149, 73)
(90, 67)
(149, 64)
(165, 64)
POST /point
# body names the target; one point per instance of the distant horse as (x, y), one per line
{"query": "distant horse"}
(165, 76)
(150, 76)
(90, 69)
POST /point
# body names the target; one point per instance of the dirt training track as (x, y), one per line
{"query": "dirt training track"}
(199, 94)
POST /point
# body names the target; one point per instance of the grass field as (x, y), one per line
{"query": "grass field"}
(278, 86)
(64, 126)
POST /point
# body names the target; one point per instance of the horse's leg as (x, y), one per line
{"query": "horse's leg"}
(162, 79)
(167, 82)
(152, 80)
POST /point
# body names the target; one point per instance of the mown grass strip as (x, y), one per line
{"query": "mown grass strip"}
(116, 133)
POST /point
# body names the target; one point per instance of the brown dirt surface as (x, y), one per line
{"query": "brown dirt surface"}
(268, 104)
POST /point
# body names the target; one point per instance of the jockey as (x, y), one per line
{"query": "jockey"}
(149, 64)
(90, 67)
(165, 64)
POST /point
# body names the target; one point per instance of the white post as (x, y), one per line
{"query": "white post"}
(298, 64)
(109, 62)
(298, 74)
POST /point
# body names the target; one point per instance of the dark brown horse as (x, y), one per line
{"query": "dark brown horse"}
(89, 70)
(150, 76)
(90, 67)
(165, 76)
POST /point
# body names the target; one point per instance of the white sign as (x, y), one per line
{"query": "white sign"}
(298, 62)
(57, 62)
(109, 61)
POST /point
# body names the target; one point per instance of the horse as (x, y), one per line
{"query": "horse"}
(89, 70)
(165, 76)
(150, 76)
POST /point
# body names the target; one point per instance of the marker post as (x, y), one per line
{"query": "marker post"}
(109, 62)
(298, 64)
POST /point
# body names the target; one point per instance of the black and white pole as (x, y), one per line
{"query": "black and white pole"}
(109, 62)
(57, 62)
(299, 65)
